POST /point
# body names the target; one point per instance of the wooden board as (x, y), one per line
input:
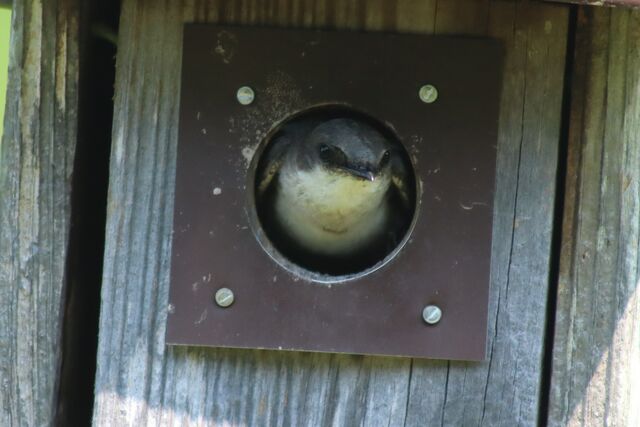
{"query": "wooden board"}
(35, 176)
(140, 381)
(621, 3)
(596, 364)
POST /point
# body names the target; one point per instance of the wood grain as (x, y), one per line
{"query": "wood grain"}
(613, 3)
(596, 364)
(35, 171)
(140, 381)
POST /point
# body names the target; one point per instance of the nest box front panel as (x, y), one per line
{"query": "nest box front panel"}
(334, 192)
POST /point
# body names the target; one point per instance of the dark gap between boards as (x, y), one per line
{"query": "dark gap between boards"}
(83, 278)
(559, 212)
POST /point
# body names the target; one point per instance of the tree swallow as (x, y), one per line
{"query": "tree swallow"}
(334, 195)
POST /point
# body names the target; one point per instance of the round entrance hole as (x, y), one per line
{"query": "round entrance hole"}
(333, 194)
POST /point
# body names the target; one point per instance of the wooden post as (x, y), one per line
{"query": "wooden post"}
(35, 175)
(596, 364)
(140, 381)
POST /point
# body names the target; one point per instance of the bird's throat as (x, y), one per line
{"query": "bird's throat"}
(331, 213)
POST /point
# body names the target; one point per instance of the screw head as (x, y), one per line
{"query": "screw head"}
(224, 297)
(245, 95)
(428, 94)
(431, 314)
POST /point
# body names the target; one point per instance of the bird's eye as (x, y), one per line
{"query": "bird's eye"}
(386, 156)
(331, 155)
(325, 153)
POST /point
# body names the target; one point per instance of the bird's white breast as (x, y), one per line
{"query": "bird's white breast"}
(331, 213)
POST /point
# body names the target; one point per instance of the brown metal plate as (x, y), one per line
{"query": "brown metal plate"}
(452, 143)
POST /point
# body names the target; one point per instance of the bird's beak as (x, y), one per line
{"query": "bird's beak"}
(362, 173)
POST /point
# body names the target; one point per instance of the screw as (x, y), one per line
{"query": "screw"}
(224, 297)
(431, 314)
(428, 94)
(245, 95)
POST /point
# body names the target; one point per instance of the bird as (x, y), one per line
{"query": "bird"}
(334, 194)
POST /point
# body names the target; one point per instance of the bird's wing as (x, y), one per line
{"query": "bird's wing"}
(402, 200)
(400, 180)
(274, 155)
(272, 161)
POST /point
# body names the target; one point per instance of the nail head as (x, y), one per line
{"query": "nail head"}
(224, 297)
(245, 95)
(428, 94)
(431, 314)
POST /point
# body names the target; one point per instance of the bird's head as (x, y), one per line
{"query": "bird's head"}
(351, 148)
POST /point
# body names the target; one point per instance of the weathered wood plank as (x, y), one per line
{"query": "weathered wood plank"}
(596, 365)
(621, 3)
(505, 390)
(35, 170)
(140, 381)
